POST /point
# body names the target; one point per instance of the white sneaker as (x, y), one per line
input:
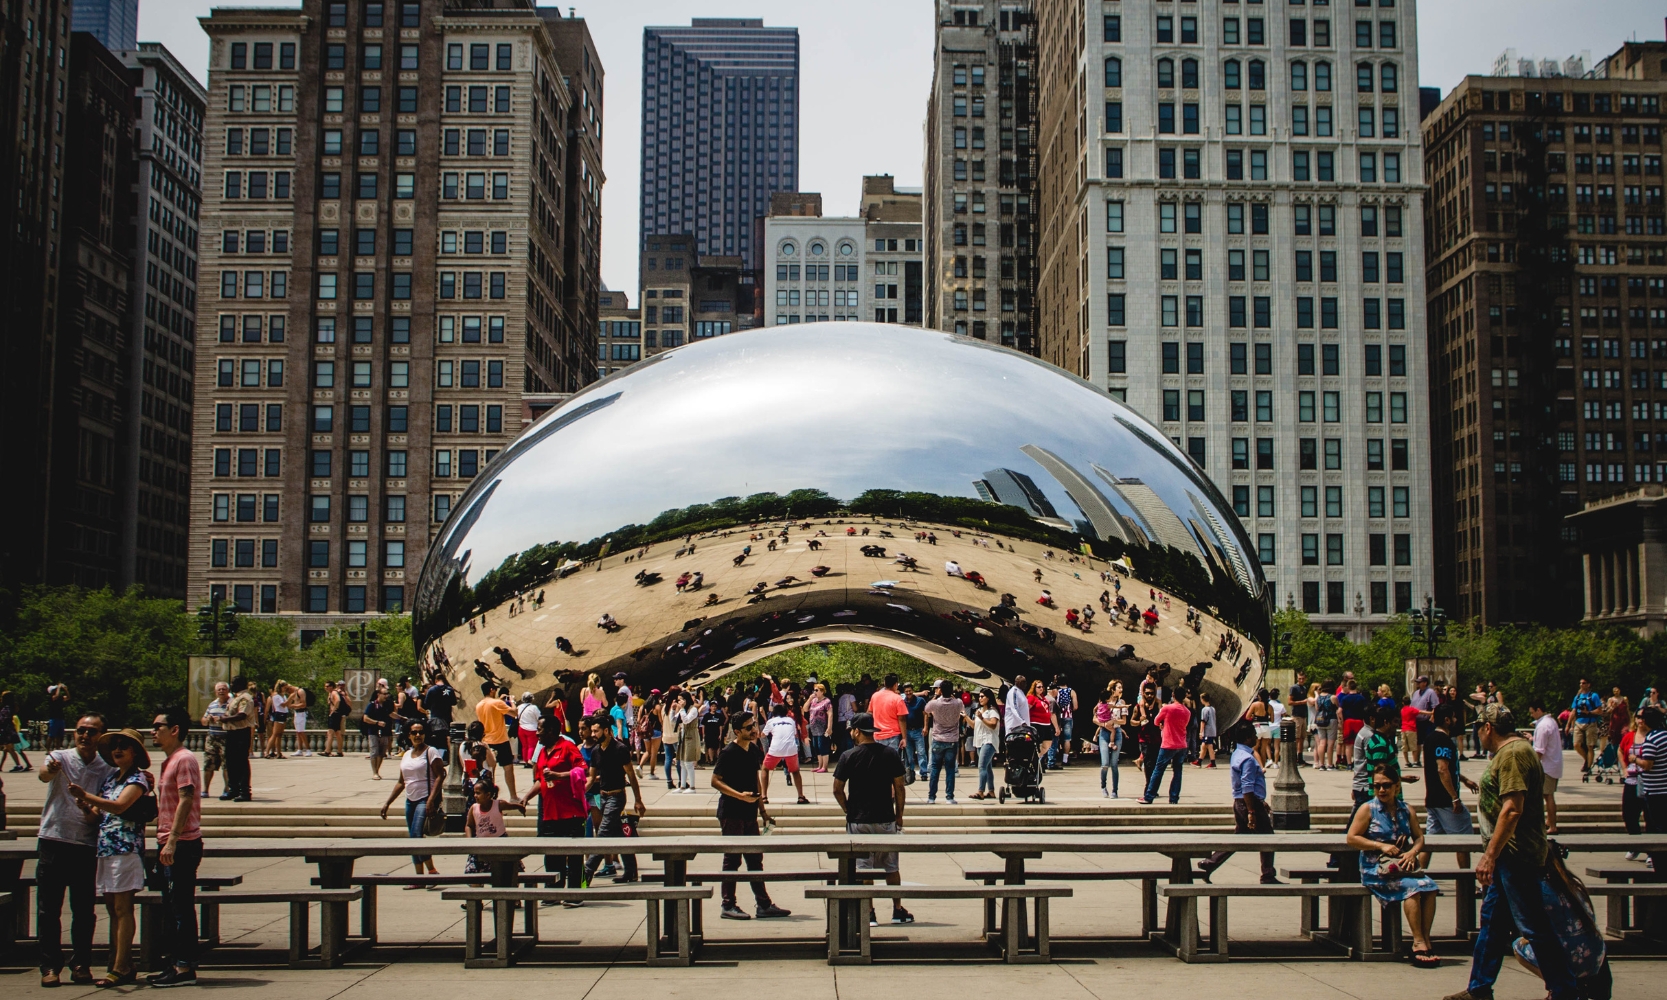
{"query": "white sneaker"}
(1631, 855)
(1104, 794)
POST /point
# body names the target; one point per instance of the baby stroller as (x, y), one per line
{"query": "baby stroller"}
(1607, 768)
(1022, 777)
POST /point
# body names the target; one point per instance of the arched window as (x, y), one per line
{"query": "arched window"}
(1389, 78)
(1189, 74)
(1258, 75)
(1322, 76)
(1230, 74)
(1166, 73)
(1114, 72)
(1299, 76)
(1363, 78)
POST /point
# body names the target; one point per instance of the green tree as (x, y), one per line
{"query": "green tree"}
(841, 663)
(120, 653)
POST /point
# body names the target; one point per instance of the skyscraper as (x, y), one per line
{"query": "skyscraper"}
(396, 194)
(980, 197)
(1547, 326)
(720, 131)
(115, 23)
(154, 497)
(1240, 257)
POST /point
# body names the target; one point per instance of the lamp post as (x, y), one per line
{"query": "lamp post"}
(1289, 801)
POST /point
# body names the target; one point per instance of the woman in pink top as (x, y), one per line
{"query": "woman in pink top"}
(486, 819)
(594, 699)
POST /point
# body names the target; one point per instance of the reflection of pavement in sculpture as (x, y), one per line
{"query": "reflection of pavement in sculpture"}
(653, 616)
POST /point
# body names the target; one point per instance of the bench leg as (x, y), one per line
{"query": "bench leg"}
(367, 915)
(298, 934)
(150, 932)
(1012, 931)
(1186, 921)
(1043, 951)
(21, 909)
(1218, 926)
(1148, 907)
(332, 934)
(1390, 915)
(1363, 943)
(834, 930)
(503, 913)
(1464, 906)
(655, 955)
(1310, 911)
(471, 932)
(208, 923)
(989, 912)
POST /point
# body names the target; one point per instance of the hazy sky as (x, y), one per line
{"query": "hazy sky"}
(867, 65)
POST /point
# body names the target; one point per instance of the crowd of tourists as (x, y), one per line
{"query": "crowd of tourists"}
(877, 737)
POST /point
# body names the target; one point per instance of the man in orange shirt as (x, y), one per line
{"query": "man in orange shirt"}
(890, 713)
(490, 711)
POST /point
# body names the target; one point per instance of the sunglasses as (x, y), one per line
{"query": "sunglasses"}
(88, 731)
(1383, 784)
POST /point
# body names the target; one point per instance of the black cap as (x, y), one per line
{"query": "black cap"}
(863, 722)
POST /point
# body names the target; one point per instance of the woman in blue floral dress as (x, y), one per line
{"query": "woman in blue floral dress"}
(121, 843)
(1387, 833)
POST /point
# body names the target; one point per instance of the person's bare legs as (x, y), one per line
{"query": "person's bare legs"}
(1550, 812)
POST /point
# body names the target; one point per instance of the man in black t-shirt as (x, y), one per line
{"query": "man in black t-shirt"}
(1297, 705)
(610, 771)
(735, 777)
(438, 702)
(1444, 810)
(869, 785)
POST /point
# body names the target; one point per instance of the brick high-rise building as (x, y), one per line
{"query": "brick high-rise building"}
(720, 131)
(1547, 281)
(34, 85)
(387, 239)
(169, 106)
(980, 196)
(1231, 240)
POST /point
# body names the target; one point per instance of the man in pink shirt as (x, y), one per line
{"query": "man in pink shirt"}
(889, 711)
(1172, 723)
(179, 836)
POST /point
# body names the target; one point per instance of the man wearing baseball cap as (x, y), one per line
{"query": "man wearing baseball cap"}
(869, 786)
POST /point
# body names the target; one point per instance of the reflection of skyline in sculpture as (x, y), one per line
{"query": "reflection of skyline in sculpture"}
(1015, 489)
(1098, 511)
(1221, 540)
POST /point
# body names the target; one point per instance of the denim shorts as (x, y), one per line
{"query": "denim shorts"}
(1455, 819)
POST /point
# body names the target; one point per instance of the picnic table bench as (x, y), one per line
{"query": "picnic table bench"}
(1015, 945)
(674, 949)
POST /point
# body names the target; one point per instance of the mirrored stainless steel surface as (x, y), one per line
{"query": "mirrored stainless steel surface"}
(845, 482)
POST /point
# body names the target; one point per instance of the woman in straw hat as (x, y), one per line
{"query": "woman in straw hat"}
(121, 843)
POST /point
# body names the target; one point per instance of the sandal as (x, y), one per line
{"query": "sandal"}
(1424, 959)
(127, 978)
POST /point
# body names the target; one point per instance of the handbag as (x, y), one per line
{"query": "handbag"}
(434, 820)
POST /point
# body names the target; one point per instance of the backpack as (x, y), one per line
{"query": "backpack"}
(1325, 710)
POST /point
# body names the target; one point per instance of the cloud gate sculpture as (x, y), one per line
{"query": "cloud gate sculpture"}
(845, 482)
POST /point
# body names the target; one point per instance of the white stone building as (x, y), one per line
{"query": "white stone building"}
(1236, 249)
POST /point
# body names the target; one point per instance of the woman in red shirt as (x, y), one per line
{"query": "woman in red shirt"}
(1041, 718)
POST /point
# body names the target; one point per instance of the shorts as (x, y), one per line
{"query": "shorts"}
(55, 729)
(334, 723)
(1409, 740)
(1454, 820)
(1551, 784)
(377, 745)
(214, 752)
(278, 718)
(501, 753)
(1266, 732)
(1326, 732)
(877, 862)
(300, 722)
(1590, 735)
(1351, 728)
(792, 762)
(120, 873)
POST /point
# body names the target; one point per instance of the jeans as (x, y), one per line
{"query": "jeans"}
(1167, 758)
(612, 825)
(179, 903)
(416, 810)
(570, 868)
(238, 742)
(986, 768)
(916, 760)
(732, 862)
(1061, 749)
(896, 744)
(669, 751)
(1632, 810)
(1110, 751)
(1512, 906)
(62, 866)
(944, 758)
